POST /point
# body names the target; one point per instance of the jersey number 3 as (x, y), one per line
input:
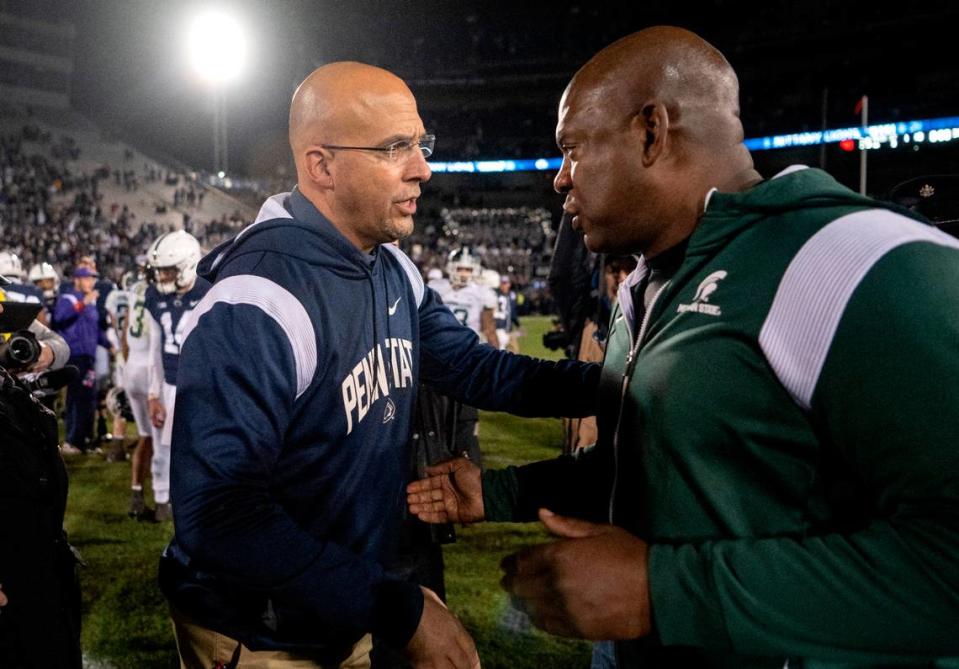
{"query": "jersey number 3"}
(136, 329)
(462, 315)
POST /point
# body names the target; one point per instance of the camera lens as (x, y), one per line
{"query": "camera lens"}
(21, 349)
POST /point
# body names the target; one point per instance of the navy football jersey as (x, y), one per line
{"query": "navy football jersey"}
(505, 311)
(169, 311)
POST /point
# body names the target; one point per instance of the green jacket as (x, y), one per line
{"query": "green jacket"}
(785, 435)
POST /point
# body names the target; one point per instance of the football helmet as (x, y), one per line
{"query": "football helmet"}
(45, 272)
(118, 404)
(175, 250)
(10, 265)
(128, 279)
(462, 267)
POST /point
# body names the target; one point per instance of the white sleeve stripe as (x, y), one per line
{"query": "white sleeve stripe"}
(416, 280)
(816, 287)
(71, 298)
(272, 209)
(277, 303)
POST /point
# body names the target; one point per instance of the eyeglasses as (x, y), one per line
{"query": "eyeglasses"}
(399, 150)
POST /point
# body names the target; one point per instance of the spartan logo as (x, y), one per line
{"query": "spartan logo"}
(700, 303)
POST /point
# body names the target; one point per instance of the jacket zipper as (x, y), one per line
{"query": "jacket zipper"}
(627, 376)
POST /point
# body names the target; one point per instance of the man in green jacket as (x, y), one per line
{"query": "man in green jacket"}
(776, 479)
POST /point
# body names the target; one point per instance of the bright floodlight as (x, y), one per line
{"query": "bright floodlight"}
(217, 47)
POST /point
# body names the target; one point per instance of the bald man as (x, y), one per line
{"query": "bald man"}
(294, 398)
(776, 480)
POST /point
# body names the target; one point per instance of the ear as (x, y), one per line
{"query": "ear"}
(316, 163)
(652, 124)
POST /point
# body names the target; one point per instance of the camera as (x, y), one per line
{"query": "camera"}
(555, 340)
(20, 351)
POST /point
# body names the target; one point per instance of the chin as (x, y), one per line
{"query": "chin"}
(401, 228)
(595, 243)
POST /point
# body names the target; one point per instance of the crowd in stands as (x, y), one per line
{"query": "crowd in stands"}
(53, 212)
(514, 241)
(217, 230)
(48, 213)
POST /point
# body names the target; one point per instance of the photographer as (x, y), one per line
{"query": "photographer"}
(54, 351)
(40, 600)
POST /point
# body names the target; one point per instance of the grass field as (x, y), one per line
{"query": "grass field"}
(125, 624)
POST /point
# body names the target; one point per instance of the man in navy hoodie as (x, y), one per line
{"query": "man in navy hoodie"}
(296, 383)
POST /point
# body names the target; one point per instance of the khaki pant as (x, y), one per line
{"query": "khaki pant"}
(201, 648)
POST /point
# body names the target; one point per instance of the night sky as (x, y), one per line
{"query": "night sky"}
(133, 78)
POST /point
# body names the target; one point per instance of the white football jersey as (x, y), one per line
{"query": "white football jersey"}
(117, 303)
(468, 303)
(138, 324)
(439, 285)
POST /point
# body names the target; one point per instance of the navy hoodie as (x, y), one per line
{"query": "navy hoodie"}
(295, 390)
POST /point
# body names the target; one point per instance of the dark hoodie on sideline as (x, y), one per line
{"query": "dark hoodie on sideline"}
(297, 380)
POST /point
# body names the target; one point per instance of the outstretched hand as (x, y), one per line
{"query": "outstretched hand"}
(591, 584)
(452, 492)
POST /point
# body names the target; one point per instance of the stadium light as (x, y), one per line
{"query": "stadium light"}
(217, 46)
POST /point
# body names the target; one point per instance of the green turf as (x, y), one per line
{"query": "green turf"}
(125, 623)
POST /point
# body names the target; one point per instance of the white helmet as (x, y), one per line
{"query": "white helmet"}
(179, 250)
(43, 271)
(118, 404)
(127, 280)
(462, 259)
(10, 265)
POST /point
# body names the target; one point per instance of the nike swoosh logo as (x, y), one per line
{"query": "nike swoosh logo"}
(392, 310)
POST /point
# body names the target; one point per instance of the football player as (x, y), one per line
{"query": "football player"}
(117, 304)
(471, 302)
(506, 319)
(46, 279)
(135, 379)
(17, 291)
(173, 257)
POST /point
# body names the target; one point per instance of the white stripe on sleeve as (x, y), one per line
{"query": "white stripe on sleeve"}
(277, 303)
(817, 286)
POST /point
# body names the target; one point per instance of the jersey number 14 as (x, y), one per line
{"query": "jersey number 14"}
(171, 339)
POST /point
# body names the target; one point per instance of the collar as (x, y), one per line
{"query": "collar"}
(305, 211)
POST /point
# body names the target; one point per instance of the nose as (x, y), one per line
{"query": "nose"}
(562, 181)
(417, 168)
